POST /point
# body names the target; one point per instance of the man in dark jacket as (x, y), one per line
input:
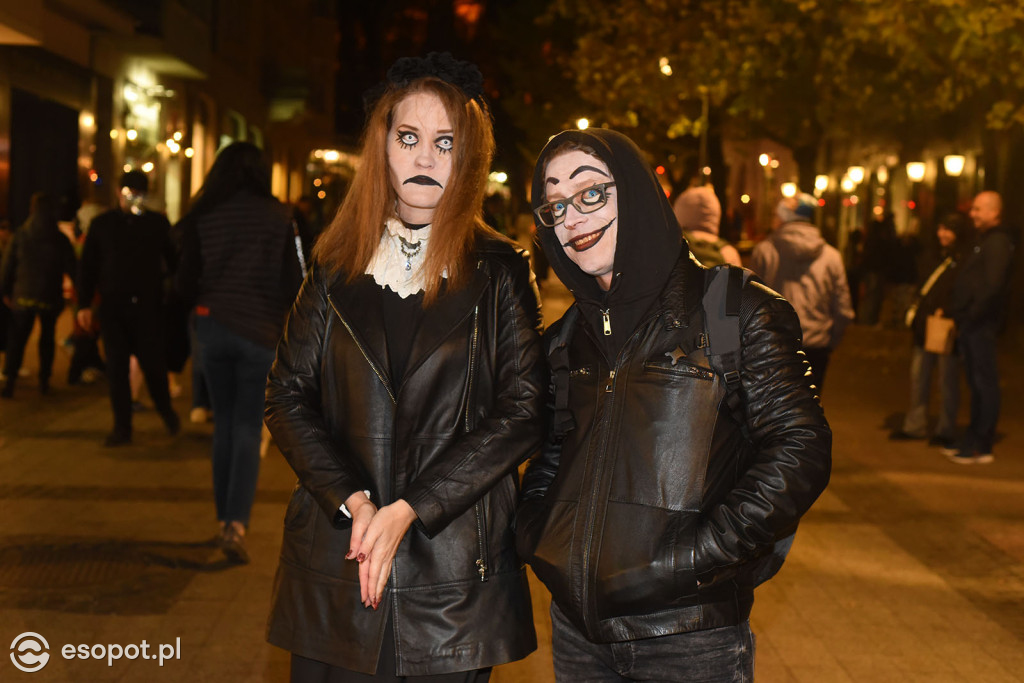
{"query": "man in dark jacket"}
(32, 284)
(125, 258)
(654, 507)
(978, 305)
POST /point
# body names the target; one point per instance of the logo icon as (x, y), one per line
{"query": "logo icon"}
(29, 652)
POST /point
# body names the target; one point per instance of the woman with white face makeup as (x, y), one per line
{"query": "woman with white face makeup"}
(407, 389)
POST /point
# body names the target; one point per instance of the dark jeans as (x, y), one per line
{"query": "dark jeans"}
(720, 655)
(978, 348)
(921, 365)
(236, 377)
(22, 320)
(134, 329)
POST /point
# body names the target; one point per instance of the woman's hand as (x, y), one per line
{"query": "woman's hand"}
(362, 511)
(378, 546)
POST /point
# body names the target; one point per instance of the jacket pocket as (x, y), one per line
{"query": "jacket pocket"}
(645, 562)
(300, 505)
(681, 369)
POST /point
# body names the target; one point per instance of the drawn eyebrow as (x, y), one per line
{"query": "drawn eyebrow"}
(552, 181)
(583, 168)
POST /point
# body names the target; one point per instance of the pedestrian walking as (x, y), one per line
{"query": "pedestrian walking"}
(125, 258)
(979, 306)
(240, 272)
(32, 286)
(699, 214)
(796, 261)
(407, 389)
(933, 299)
(685, 443)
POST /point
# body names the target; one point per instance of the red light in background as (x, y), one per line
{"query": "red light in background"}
(821, 201)
(660, 170)
(911, 205)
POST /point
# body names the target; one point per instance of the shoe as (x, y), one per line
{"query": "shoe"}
(199, 415)
(115, 439)
(173, 423)
(139, 407)
(946, 443)
(971, 458)
(900, 435)
(233, 543)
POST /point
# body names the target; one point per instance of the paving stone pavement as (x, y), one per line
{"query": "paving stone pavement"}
(909, 568)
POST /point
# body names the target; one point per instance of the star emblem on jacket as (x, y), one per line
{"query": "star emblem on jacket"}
(675, 354)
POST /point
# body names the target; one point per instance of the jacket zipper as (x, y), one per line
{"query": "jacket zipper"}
(377, 371)
(481, 518)
(601, 461)
(606, 319)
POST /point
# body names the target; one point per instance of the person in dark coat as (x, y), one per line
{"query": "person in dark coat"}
(32, 285)
(125, 259)
(978, 305)
(240, 270)
(408, 387)
(933, 297)
(659, 495)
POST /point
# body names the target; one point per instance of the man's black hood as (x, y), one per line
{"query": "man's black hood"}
(648, 238)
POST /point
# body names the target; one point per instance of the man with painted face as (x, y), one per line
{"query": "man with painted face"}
(658, 498)
(126, 256)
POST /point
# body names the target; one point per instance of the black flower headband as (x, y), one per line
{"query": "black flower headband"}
(463, 75)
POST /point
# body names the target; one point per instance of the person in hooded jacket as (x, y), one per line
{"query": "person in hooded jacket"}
(655, 504)
(796, 261)
(699, 214)
(31, 282)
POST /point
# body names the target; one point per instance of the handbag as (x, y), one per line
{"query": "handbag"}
(939, 335)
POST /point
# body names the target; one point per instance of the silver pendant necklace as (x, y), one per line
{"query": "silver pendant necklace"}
(410, 250)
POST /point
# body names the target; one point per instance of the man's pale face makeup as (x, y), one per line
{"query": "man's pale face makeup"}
(588, 237)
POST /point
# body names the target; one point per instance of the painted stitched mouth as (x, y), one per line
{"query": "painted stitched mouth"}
(588, 240)
(422, 180)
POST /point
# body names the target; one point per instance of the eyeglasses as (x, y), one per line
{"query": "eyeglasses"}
(587, 200)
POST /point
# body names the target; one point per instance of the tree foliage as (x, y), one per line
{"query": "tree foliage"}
(801, 72)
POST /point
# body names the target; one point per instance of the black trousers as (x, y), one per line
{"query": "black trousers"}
(305, 670)
(134, 329)
(21, 322)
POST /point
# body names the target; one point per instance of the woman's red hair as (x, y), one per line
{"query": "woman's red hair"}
(349, 243)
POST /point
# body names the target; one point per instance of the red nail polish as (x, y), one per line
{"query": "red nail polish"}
(361, 557)
(350, 554)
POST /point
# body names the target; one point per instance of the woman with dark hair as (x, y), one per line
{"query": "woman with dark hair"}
(240, 270)
(932, 298)
(407, 388)
(32, 285)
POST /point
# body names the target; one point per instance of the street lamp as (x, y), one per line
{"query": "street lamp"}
(954, 164)
(582, 123)
(856, 174)
(915, 171)
(788, 189)
(820, 183)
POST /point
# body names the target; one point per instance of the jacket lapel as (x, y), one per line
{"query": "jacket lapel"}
(359, 305)
(442, 318)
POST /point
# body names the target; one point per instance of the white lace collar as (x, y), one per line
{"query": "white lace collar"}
(398, 263)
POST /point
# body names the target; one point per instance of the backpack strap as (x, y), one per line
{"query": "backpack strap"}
(723, 291)
(558, 359)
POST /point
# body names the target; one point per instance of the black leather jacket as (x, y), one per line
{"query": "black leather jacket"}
(448, 441)
(658, 511)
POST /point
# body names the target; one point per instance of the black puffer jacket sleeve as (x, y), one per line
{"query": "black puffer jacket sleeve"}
(792, 441)
(512, 428)
(293, 407)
